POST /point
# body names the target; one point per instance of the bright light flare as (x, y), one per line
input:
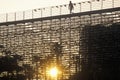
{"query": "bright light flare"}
(53, 72)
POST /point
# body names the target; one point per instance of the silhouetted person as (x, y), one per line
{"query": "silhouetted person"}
(70, 7)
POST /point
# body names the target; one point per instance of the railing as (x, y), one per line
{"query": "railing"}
(59, 10)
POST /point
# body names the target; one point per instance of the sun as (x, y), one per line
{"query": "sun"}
(53, 72)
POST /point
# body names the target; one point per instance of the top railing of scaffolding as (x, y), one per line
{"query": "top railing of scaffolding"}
(59, 10)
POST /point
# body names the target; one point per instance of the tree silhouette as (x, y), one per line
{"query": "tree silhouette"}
(9, 66)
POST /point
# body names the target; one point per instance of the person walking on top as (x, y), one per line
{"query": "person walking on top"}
(70, 7)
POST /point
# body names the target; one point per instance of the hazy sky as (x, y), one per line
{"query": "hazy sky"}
(7, 6)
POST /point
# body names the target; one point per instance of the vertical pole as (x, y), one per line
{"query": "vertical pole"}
(15, 16)
(112, 3)
(79, 45)
(70, 47)
(60, 9)
(90, 5)
(23, 15)
(6, 17)
(50, 11)
(80, 7)
(101, 4)
(32, 14)
(41, 13)
(90, 2)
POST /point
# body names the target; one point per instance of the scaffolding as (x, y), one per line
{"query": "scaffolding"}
(57, 41)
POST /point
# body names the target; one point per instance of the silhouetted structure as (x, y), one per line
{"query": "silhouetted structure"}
(74, 41)
(101, 45)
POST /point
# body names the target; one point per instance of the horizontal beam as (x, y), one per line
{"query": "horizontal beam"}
(62, 16)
